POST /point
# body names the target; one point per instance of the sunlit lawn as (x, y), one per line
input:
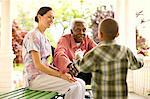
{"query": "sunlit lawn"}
(18, 75)
(18, 67)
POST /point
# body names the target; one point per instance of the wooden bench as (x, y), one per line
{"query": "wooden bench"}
(25, 93)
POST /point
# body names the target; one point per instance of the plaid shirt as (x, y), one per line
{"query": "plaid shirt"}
(109, 63)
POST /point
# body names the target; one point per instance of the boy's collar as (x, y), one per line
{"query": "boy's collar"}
(107, 42)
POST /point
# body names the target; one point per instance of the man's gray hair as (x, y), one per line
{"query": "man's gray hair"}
(77, 20)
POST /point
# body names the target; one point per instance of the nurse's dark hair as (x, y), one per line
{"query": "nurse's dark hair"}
(42, 11)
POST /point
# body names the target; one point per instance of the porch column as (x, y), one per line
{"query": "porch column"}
(6, 53)
(126, 16)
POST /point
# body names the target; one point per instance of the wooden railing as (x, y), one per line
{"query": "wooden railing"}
(141, 78)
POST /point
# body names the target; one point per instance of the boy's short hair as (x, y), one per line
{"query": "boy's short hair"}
(109, 27)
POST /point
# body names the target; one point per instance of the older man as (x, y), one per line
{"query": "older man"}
(69, 44)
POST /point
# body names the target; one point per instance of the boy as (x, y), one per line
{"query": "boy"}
(109, 63)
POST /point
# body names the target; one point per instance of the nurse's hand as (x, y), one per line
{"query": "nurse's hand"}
(68, 77)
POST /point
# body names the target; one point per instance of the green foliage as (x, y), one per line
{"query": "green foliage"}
(18, 67)
(25, 21)
(50, 38)
(65, 13)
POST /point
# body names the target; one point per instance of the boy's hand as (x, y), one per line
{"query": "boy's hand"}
(140, 58)
(79, 54)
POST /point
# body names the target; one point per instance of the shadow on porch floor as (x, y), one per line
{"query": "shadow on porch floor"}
(136, 96)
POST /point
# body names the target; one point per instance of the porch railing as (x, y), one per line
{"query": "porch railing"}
(141, 79)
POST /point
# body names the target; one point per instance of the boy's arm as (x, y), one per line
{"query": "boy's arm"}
(87, 63)
(135, 62)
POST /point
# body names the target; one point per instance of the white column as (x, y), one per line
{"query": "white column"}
(6, 53)
(126, 16)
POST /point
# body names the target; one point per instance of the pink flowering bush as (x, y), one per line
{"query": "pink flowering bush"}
(141, 42)
(101, 13)
(17, 39)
